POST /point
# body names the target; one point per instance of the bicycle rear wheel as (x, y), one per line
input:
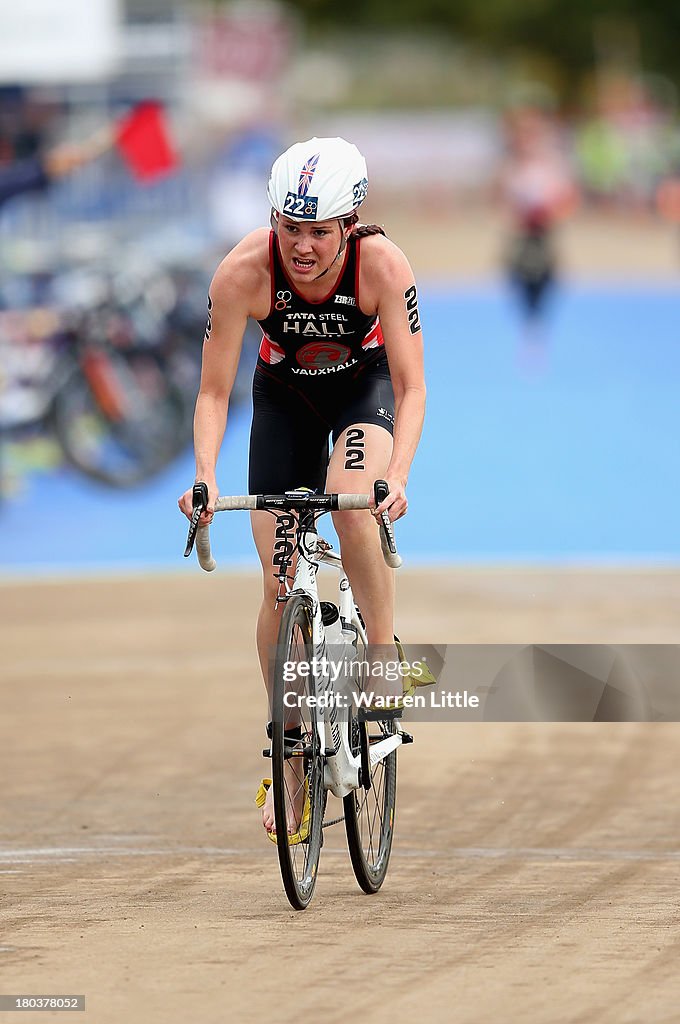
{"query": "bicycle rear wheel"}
(369, 814)
(122, 426)
(297, 759)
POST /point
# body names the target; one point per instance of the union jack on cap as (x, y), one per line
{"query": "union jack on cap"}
(306, 174)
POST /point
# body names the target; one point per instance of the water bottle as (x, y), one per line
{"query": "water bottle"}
(332, 624)
(337, 651)
(349, 635)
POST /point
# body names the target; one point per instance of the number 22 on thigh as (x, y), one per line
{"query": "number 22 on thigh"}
(354, 449)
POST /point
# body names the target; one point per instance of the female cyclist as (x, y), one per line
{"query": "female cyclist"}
(341, 355)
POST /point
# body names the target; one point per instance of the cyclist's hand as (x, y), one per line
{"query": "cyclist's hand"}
(395, 504)
(185, 503)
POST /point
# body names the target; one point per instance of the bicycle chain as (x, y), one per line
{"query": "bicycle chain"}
(333, 821)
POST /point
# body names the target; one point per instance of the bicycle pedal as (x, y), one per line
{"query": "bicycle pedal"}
(267, 752)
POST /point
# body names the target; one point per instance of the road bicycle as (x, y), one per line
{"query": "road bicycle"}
(113, 412)
(106, 360)
(72, 367)
(322, 740)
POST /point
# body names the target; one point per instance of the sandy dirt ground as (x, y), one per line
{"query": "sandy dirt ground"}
(534, 875)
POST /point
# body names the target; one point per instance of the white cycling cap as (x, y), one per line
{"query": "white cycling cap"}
(322, 179)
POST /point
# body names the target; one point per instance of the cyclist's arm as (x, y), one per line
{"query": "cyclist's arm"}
(233, 296)
(391, 281)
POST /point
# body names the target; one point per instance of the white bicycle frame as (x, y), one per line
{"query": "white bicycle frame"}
(341, 772)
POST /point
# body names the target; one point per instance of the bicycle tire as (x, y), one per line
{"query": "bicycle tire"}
(119, 453)
(295, 772)
(370, 814)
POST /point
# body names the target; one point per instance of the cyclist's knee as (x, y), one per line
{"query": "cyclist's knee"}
(270, 587)
(353, 527)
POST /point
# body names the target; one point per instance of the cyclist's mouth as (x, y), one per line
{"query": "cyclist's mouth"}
(302, 265)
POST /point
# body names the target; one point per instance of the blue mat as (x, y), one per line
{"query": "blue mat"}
(563, 452)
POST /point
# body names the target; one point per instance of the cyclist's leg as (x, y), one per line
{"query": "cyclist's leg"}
(264, 529)
(266, 533)
(362, 447)
(288, 448)
(372, 581)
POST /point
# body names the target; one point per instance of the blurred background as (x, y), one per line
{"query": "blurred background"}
(525, 157)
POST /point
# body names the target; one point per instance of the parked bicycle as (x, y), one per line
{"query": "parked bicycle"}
(112, 410)
(336, 746)
(108, 363)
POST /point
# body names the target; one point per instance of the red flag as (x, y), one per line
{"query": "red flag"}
(144, 142)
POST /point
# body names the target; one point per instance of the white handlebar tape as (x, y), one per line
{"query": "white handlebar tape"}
(203, 552)
(346, 502)
(392, 559)
(234, 502)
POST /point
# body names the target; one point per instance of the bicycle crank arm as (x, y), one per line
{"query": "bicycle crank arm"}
(379, 751)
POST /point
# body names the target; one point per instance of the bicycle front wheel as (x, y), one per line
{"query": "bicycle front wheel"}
(297, 758)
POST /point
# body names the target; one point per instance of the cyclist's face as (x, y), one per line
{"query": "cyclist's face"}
(308, 248)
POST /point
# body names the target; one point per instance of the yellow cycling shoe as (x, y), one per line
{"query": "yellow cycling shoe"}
(420, 674)
(261, 794)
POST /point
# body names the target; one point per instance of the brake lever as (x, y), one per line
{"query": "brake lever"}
(380, 492)
(199, 501)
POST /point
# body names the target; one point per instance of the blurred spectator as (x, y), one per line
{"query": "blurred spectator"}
(601, 152)
(141, 138)
(36, 173)
(627, 145)
(668, 198)
(538, 191)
